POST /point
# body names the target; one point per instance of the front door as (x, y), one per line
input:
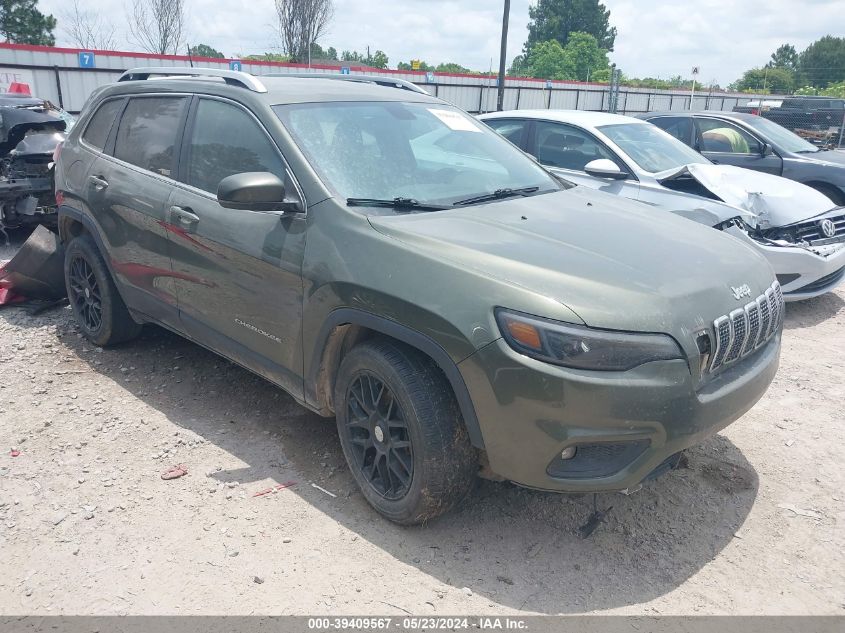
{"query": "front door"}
(237, 272)
(566, 150)
(127, 187)
(727, 144)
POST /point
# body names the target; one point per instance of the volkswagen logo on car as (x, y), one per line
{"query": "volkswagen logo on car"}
(828, 228)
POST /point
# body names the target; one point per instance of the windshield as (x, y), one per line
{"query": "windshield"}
(650, 147)
(428, 152)
(780, 136)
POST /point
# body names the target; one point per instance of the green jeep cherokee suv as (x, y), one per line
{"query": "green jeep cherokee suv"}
(390, 261)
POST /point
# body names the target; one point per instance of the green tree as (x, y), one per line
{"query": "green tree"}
(331, 53)
(204, 50)
(765, 80)
(784, 57)
(351, 56)
(22, 23)
(452, 67)
(556, 19)
(378, 60)
(823, 62)
(586, 56)
(519, 66)
(548, 60)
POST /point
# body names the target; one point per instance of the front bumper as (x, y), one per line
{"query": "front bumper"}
(530, 411)
(803, 272)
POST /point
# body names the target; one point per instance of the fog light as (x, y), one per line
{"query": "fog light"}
(568, 452)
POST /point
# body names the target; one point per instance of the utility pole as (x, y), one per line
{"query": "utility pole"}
(500, 99)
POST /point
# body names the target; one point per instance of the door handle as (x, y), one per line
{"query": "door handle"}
(185, 217)
(99, 182)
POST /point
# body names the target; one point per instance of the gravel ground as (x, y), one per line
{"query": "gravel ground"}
(87, 525)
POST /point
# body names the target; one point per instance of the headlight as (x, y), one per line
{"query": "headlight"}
(582, 347)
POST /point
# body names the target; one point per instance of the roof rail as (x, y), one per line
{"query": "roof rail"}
(231, 77)
(387, 82)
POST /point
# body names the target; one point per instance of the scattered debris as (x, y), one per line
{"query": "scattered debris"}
(595, 519)
(14, 452)
(504, 579)
(275, 488)
(174, 472)
(321, 489)
(810, 514)
(467, 591)
(258, 580)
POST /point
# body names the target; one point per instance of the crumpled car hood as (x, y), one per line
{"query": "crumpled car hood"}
(16, 122)
(774, 201)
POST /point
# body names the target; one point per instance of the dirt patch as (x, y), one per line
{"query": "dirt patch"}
(88, 525)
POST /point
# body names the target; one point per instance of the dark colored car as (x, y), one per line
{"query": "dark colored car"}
(751, 141)
(390, 261)
(805, 113)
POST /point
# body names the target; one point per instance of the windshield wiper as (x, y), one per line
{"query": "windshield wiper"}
(394, 203)
(499, 194)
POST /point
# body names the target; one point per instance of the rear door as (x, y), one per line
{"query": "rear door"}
(127, 187)
(725, 143)
(681, 127)
(237, 272)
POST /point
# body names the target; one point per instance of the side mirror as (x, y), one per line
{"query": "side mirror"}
(765, 149)
(605, 168)
(253, 191)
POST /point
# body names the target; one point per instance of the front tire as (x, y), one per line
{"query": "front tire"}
(99, 310)
(402, 432)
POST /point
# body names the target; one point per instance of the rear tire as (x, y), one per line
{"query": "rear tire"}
(402, 432)
(98, 308)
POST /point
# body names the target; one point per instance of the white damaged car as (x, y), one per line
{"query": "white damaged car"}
(800, 230)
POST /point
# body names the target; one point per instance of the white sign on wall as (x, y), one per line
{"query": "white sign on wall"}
(9, 76)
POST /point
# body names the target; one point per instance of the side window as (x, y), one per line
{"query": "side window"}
(567, 147)
(97, 132)
(721, 136)
(147, 133)
(679, 127)
(226, 140)
(511, 129)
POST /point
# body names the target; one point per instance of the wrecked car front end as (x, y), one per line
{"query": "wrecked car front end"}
(28, 137)
(800, 230)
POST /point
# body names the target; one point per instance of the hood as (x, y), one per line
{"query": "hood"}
(616, 263)
(772, 200)
(830, 157)
(16, 122)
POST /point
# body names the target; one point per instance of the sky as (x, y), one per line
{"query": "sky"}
(655, 38)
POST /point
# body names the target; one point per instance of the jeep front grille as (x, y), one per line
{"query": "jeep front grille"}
(745, 329)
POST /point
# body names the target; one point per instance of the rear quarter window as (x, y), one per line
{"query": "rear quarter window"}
(97, 131)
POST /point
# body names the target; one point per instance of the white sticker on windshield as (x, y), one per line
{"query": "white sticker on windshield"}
(455, 120)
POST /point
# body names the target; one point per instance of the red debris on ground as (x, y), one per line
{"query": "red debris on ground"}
(267, 491)
(8, 295)
(174, 472)
(14, 452)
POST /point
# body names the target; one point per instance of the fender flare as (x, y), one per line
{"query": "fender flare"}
(413, 338)
(90, 226)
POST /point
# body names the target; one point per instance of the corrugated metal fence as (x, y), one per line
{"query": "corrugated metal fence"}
(67, 76)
